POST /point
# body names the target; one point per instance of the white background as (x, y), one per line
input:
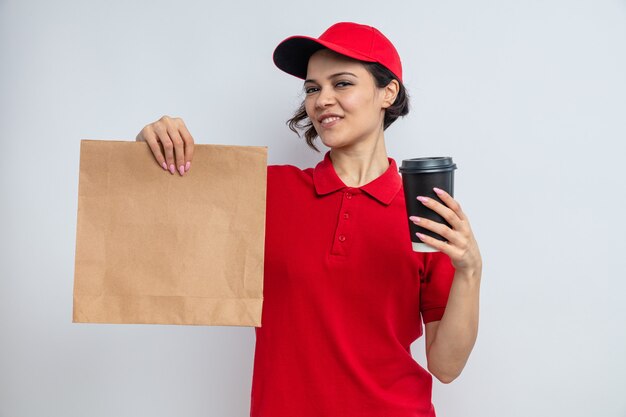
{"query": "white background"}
(529, 97)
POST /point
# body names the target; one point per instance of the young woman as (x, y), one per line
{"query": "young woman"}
(344, 293)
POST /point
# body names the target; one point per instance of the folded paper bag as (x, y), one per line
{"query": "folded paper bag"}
(157, 248)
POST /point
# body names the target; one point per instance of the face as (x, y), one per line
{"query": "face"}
(343, 102)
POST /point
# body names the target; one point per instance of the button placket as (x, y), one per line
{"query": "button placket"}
(342, 233)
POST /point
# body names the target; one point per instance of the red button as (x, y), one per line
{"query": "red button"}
(348, 196)
(342, 238)
(346, 215)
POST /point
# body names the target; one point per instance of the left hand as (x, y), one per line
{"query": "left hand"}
(461, 246)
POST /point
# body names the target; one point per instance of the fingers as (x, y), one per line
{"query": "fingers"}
(453, 251)
(452, 213)
(435, 243)
(179, 149)
(162, 137)
(150, 137)
(455, 244)
(439, 228)
(170, 143)
(453, 217)
(450, 202)
(459, 242)
(188, 139)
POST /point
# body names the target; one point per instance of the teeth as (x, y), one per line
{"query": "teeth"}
(329, 120)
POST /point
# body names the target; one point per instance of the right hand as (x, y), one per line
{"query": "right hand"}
(169, 136)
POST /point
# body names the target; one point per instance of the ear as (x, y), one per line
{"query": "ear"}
(390, 93)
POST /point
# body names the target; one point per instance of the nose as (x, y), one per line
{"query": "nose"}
(325, 98)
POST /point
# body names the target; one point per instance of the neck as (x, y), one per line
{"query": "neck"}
(362, 163)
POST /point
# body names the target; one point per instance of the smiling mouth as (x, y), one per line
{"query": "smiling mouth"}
(329, 120)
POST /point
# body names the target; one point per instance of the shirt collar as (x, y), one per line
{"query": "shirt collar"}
(384, 188)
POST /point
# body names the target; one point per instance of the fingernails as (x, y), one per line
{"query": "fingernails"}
(437, 190)
(181, 169)
(172, 169)
(421, 236)
(423, 199)
(164, 165)
(188, 165)
(414, 218)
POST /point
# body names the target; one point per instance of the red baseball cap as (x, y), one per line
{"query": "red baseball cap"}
(353, 40)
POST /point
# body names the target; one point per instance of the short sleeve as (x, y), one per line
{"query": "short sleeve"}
(435, 286)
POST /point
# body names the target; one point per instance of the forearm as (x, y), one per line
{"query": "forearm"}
(458, 328)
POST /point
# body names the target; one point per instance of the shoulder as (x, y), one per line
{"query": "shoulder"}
(287, 185)
(286, 169)
(283, 174)
(285, 182)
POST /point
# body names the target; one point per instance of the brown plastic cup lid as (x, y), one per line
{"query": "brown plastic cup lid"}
(427, 165)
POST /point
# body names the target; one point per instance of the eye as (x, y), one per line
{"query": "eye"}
(310, 90)
(343, 84)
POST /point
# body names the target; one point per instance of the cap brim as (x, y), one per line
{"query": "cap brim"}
(292, 55)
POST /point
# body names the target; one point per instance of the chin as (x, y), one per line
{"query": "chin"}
(333, 145)
(333, 142)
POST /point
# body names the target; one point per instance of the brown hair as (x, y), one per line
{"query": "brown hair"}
(382, 77)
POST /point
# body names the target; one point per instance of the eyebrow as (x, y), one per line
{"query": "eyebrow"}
(332, 76)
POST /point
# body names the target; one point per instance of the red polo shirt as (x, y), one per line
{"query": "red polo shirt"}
(343, 294)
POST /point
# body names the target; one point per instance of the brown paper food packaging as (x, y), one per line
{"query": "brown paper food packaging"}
(157, 248)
